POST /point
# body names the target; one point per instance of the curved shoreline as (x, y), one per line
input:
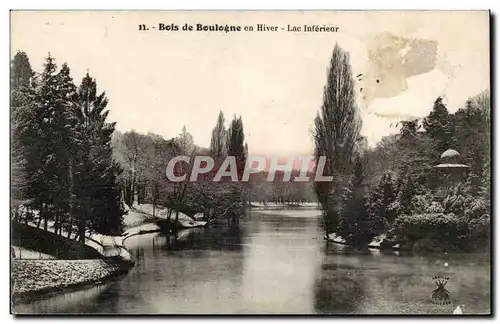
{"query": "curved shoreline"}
(114, 268)
(35, 278)
(30, 296)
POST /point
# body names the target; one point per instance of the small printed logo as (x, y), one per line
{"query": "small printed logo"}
(441, 295)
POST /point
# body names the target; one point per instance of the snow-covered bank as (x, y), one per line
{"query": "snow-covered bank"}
(333, 237)
(378, 242)
(138, 220)
(106, 246)
(139, 230)
(272, 205)
(162, 212)
(31, 277)
(22, 253)
(135, 218)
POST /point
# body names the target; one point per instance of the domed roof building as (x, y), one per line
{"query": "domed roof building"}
(454, 171)
(451, 160)
(449, 154)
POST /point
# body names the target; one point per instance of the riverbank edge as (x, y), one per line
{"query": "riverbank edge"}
(116, 269)
(382, 245)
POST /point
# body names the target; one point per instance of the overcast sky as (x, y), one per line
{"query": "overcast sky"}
(159, 81)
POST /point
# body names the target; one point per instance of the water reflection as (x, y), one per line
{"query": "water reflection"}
(339, 287)
(213, 238)
(72, 301)
(363, 282)
(280, 262)
(275, 262)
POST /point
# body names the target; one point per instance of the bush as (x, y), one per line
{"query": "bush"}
(477, 209)
(479, 232)
(433, 245)
(435, 208)
(438, 230)
(420, 203)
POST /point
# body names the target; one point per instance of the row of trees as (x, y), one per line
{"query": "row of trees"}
(72, 169)
(145, 158)
(279, 191)
(62, 164)
(383, 189)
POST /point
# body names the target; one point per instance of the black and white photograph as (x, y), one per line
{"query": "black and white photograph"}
(250, 162)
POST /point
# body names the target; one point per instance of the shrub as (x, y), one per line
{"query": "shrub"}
(445, 230)
(479, 232)
(420, 203)
(477, 209)
(435, 208)
(382, 196)
(434, 245)
(455, 204)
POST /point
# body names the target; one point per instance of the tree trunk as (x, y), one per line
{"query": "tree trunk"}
(81, 226)
(56, 222)
(169, 215)
(45, 217)
(70, 229)
(16, 213)
(176, 221)
(71, 188)
(39, 217)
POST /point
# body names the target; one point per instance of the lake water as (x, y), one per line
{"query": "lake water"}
(275, 262)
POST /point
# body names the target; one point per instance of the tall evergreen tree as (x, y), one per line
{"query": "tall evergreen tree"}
(236, 144)
(21, 74)
(336, 133)
(439, 126)
(38, 141)
(356, 225)
(95, 171)
(19, 177)
(384, 195)
(406, 193)
(63, 134)
(46, 139)
(473, 130)
(21, 94)
(218, 142)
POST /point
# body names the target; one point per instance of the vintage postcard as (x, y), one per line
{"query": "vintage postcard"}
(250, 162)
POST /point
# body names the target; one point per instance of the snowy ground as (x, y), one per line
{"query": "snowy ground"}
(377, 240)
(375, 244)
(134, 218)
(161, 212)
(335, 238)
(44, 275)
(102, 243)
(279, 205)
(138, 219)
(25, 254)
